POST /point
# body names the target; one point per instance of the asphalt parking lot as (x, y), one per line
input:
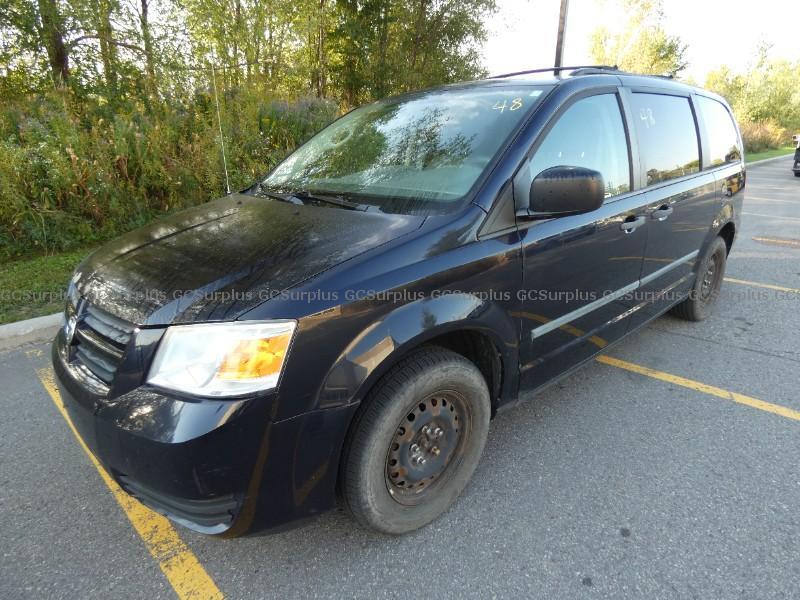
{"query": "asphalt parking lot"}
(668, 471)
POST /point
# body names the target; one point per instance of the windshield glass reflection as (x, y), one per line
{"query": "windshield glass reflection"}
(412, 154)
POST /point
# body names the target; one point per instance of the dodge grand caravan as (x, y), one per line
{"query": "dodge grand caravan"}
(348, 326)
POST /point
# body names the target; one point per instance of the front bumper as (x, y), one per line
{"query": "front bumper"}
(215, 466)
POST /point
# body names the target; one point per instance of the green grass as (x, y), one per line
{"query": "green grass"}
(769, 154)
(35, 286)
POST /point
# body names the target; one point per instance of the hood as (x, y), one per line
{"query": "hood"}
(218, 260)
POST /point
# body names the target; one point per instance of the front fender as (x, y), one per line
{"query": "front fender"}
(380, 345)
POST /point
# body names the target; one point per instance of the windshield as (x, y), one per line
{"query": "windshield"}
(417, 154)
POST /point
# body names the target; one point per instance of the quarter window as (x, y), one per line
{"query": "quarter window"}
(589, 134)
(723, 141)
(667, 136)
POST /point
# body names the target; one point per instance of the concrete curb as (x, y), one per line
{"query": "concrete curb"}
(767, 160)
(30, 330)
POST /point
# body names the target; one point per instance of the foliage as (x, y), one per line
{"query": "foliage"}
(765, 100)
(763, 135)
(642, 46)
(107, 107)
(69, 177)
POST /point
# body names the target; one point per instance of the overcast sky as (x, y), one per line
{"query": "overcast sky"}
(522, 34)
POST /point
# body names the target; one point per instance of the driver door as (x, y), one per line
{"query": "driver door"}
(579, 270)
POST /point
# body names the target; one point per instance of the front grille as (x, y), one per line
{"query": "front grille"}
(99, 341)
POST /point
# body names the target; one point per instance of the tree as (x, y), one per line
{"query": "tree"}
(642, 46)
(132, 128)
(381, 47)
(765, 92)
(361, 40)
(147, 43)
(52, 35)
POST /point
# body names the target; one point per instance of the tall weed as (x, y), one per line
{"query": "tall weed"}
(73, 174)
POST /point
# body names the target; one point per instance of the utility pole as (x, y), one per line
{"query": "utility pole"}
(562, 25)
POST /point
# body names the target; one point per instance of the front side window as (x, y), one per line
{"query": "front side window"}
(723, 141)
(589, 134)
(667, 136)
(414, 154)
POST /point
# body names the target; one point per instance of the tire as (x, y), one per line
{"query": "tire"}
(382, 483)
(703, 295)
(797, 173)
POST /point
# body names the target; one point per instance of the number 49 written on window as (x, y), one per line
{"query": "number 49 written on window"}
(514, 105)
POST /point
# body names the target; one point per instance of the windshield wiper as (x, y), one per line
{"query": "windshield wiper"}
(290, 198)
(334, 199)
(300, 197)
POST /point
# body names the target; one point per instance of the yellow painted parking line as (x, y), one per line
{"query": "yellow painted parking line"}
(181, 567)
(767, 286)
(778, 241)
(775, 409)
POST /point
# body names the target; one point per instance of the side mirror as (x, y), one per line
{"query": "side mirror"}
(562, 191)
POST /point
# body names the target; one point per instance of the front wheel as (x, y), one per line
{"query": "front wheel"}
(415, 441)
(700, 303)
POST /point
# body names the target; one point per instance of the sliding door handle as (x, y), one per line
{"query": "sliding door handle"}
(630, 224)
(662, 212)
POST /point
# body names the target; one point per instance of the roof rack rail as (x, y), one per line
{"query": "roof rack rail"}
(595, 71)
(595, 68)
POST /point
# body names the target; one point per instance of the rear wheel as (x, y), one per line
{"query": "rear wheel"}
(416, 441)
(703, 296)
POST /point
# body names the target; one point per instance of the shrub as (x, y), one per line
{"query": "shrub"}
(73, 174)
(763, 135)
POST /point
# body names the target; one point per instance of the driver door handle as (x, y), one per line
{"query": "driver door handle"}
(630, 224)
(662, 212)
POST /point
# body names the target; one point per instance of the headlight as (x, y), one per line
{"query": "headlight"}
(222, 359)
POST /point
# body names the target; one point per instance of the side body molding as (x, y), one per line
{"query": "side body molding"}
(381, 344)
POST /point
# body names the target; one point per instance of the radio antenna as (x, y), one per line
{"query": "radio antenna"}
(219, 123)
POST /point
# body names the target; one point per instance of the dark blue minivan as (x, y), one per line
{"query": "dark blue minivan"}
(348, 326)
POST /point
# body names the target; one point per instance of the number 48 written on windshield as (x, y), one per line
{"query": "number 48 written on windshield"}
(514, 105)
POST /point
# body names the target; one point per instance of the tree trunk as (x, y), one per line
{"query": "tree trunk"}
(108, 51)
(419, 30)
(147, 41)
(53, 39)
(381, 87)
(319, 79)
(237, 31)
(269, 64)
(323, 75)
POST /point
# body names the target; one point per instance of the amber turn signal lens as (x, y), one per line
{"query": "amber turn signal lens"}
(254, 359)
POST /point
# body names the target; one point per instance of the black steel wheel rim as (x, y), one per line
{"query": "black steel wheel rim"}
(710, 279)
(427, 446)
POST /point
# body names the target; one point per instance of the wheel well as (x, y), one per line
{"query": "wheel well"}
(479, 349)
(727, 233)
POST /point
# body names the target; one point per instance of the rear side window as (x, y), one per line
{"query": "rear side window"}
(667, 136)
(723, 141)
(589, 134)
